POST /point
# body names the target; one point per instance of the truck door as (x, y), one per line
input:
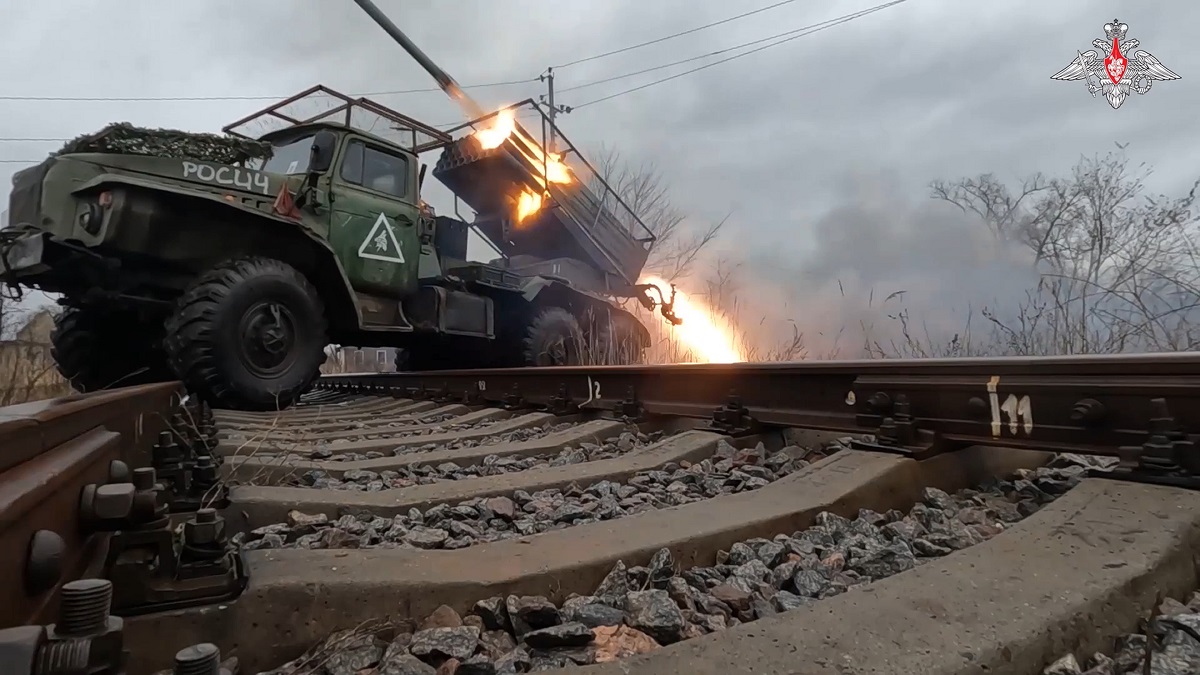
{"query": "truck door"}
(373, 228)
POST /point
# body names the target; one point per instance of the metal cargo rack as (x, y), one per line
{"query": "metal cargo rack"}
(361, 114)
(602, 231)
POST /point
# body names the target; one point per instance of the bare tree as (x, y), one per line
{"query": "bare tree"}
(1119, 270)
(12, 316)
(26, 366)
(647, 193)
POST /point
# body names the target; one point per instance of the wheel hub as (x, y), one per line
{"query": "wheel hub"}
(268, 334)
(557, 351)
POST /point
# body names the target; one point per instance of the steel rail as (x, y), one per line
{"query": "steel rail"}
(52, 450)
(92, 487)
(1123, 406)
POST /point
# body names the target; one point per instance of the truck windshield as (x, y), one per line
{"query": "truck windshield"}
(290, 157)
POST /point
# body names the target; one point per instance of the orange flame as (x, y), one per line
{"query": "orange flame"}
(711, 338)
(548, 165)
(504, 123)
(528, 204)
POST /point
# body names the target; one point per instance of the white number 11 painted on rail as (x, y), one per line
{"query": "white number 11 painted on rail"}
(1018, 410)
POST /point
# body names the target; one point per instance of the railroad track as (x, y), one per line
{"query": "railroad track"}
(965, 516)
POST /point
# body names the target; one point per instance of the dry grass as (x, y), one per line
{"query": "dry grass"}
(277, 438)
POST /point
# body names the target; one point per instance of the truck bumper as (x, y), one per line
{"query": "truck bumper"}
(23, 255)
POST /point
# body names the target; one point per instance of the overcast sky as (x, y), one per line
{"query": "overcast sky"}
(822, 148)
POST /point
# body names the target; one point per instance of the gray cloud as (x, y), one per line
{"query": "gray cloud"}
(822, 148)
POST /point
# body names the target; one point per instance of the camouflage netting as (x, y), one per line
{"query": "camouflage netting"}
(125, 139)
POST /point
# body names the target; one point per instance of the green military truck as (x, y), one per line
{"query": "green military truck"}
(232, 261)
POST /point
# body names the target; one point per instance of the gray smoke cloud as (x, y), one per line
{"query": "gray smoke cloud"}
(879, 252)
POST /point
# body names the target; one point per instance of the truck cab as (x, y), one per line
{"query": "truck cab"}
(368, 199)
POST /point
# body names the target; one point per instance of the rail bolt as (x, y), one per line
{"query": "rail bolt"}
(205, 471)
(207, 419)
(200, 659)
(87, 638)
(167, 452)
(977, 408)
(206, 528)
(879, 402)
(84, 606)
(44, 561)
(150, 504)
(111, 502)
(145, 478)
(118, 472)
(1088, 412)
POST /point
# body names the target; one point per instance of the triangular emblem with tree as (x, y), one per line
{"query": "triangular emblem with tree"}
(381, 244)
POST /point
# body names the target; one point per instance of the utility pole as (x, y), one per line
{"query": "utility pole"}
(548, 99)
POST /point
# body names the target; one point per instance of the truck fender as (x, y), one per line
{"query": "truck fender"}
(549, 292)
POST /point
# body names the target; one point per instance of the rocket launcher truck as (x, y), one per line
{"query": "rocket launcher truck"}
(232, 261)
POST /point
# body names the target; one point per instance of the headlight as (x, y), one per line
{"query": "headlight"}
(92, 218)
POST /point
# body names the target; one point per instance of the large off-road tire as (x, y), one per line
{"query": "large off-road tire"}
(554, 338)
(249, 334)
(98, 348)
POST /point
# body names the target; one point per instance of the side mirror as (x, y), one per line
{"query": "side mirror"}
(421, 176)
(324, 143)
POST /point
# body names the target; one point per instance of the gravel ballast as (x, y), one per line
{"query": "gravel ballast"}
(480, 520)
(638, 609)
(327, 450)
(1174, 649)
(492, 465)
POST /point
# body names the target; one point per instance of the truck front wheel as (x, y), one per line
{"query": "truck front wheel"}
(249, 334)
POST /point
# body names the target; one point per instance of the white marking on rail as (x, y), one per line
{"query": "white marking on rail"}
(1019, 412)
(593, 390)
(994, 403)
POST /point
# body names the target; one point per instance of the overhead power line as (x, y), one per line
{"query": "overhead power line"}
(422, 90)
(707, 55)
(96, 99)
(808, 30)
(674, 35)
